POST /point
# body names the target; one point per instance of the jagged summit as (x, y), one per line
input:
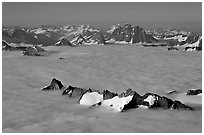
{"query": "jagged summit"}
(63, 42)
(193, 43)
(74, 35)
(85, 35)
(128, 34)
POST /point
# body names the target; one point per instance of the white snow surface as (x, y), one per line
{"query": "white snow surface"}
(91, 98)
(112, 29)
(179, 38)
(116, 103)
(150, 99)
(39, 31)
(196, 44)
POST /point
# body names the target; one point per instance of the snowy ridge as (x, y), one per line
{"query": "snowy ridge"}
(88, 35)
(196, 44)
(113, 28)
(180, 38)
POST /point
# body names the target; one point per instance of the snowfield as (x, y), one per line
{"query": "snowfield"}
(25, 108)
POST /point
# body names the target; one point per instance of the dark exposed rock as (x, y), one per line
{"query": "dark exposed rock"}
(191, 39)
(21, 35)
(126, 100)
(63, 42)
(179, 106)
(188, 48)
(108, 95)
(155, 45)
(76, 35)
(148, 99)
(5, 33)
(38, 49)
(73, 91)
(99, 38)
(33, 51)
(164, 102)
(130, 34)
(127, 32)
(136, 99)
(173, 48)
(194, 92)
(28, 53)
(54, 85)
(86, 35)
(155, 101)
(182, 43)
(171, 92)
(199, 48)
(7, 47)
(24, 37)
(193, 43)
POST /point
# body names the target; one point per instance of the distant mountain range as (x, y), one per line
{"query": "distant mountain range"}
(86, 35)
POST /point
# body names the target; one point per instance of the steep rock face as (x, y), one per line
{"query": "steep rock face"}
(78, 39)
(24, 36)
(108, 95)
(99, 38)
(194, 92)
(73, 92)
(38, 49)
(6, 34)
(7, 47)
(200, 45)
(134, 102)
(195, 44)
(54, 85)
(85, 35)
(33, 51)
(152, 100)
(191, 39)
(129, 34)
(30, 37)
(63, 42)
(120, 102)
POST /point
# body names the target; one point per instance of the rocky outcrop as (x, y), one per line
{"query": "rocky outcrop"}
(63, 42)
(54, 85)
(77, 35)
(33, 51)
(24, 37)
(85, 35)
(192, 39)
(135, 101)
(194, 92)
(99, 38)
(193, 43)
(38, 48)
(120, 102)
(108, 95)
(73, 92)
(7, 47)
(128, 34)
(152, 100)
(172, 48)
